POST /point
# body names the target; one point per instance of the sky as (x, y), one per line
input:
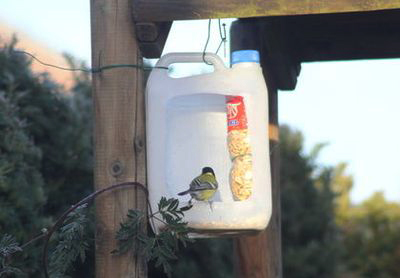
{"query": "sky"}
(352, 106)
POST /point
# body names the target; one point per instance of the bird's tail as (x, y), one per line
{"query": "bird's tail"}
(184, 192)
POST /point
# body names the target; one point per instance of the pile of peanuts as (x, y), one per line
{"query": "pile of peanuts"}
(241, 175)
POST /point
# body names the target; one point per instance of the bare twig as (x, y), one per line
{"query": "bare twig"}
(42, 234)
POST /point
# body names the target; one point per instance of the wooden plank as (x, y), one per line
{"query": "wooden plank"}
(119, 133)
(273, 232)
(290, 40)
(169, 10)
(370, 35)
(259, 256)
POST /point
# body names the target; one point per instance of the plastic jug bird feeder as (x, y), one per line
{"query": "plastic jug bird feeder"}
(217, 120)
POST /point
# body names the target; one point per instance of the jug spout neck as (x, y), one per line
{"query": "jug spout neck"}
(245, 65)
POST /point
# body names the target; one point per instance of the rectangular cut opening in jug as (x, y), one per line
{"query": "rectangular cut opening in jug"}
(201, 120)
(213, 132)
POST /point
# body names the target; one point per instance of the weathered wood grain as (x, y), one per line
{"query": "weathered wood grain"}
(119, 133)
(169, 10)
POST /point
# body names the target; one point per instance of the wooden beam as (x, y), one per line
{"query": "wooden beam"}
(152, 37)
(290, 40)
(271, 38)
(279, 55)
(169, 10)
(119, 131)
(259, 256)
(371, 35)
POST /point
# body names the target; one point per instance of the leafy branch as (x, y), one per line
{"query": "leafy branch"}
(69, 246)
(160, 247)
(8, 246)
(84, 201)
(71, 243)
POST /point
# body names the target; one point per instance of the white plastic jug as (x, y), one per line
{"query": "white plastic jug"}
(187, 130)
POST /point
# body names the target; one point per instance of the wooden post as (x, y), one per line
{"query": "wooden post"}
(259, 256)
(119, 133)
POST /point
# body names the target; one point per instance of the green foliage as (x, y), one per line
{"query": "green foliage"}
(8, 246)
(211, 258)
(45, 149)
(309, 235)
(68, 145)
(369, 232)
(341, 184)
(162, 247)
(22, 189)
(131, 232)
(372, 239)
(71, 244)
(58, 123)
(21, 184)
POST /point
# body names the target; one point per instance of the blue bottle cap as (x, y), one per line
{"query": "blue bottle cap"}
(241, 56)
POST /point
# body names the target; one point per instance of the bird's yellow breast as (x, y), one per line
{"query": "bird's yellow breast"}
(204, 195)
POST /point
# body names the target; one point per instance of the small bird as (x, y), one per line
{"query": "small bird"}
(203, 187)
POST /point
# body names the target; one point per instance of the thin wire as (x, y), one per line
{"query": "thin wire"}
(208, 39)
(112, 66)
(224, 26)
(222, 36)
(220, 30)
(50, 65)
(92, 70)
(219, 46)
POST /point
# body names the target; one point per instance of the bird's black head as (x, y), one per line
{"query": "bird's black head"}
(208, 170)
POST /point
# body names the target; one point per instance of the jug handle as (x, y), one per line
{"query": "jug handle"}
(191, 57)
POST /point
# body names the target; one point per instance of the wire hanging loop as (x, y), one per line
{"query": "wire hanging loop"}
(206, 44)
(224, 38)
(222, 34)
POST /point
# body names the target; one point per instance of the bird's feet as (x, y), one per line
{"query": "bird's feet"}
(210, 203)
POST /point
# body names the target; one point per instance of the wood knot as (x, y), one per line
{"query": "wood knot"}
(116, 168)
(138, 144)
